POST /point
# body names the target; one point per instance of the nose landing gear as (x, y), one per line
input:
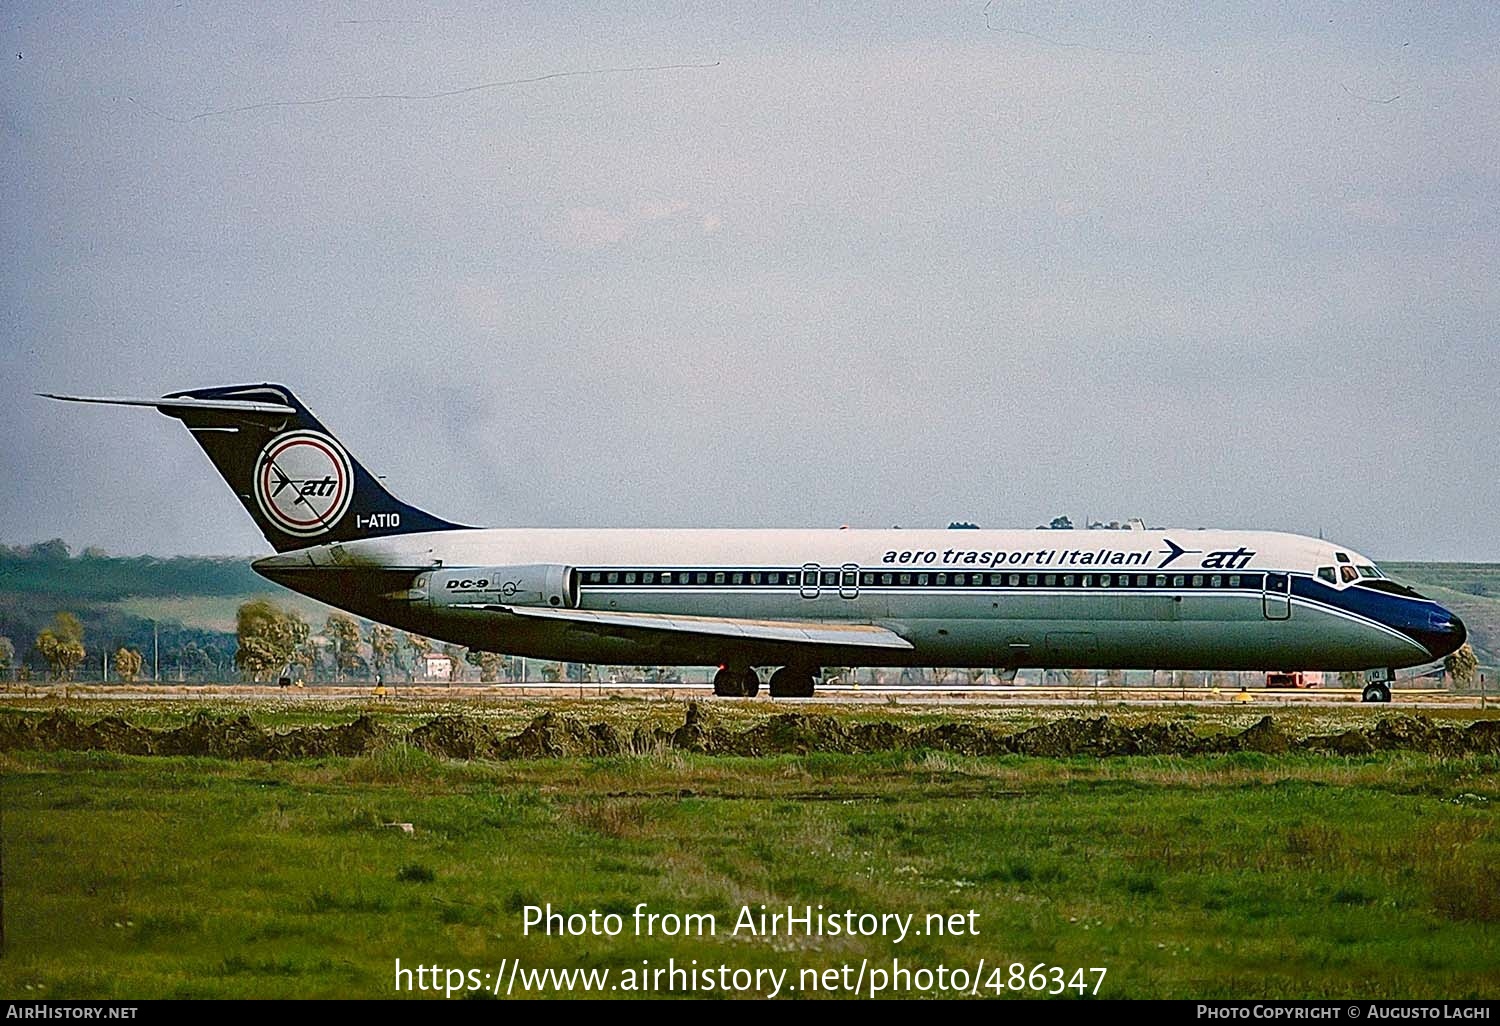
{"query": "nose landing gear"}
(1377, 686)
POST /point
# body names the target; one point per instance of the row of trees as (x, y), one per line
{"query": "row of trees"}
(271, 639)
(61, 645)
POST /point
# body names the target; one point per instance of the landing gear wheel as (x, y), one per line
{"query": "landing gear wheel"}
(731, 683)
(1375, 691)
(792, 682)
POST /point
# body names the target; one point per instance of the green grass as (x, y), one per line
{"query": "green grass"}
(1243, 876)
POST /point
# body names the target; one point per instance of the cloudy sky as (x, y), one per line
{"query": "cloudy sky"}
(749, 265)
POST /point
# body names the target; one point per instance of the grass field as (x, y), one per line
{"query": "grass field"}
(1245, 875)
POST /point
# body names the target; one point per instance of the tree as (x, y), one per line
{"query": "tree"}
(455, 654)
(128, 664)
(489, 663)
(382, 647)
(196, 661)
(62, 645)
(342, 632)
(267, 638)
(416, 647)
(7, 654)
(1061, 524)
(1461, 667)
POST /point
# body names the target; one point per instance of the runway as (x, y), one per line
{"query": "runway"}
(840, 694)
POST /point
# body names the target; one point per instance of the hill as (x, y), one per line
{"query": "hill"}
(182, 602)
(1472, 590)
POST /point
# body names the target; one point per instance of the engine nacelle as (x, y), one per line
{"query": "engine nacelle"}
(536, 584)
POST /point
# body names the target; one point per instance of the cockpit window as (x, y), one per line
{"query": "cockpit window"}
(1367, 571)
(1347, 572)
(1328, 574)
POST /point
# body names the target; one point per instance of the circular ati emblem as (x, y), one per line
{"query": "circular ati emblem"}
(303, 482)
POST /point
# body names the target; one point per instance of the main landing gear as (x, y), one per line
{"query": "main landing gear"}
(792, 682)
(787, 682)
(736, 682)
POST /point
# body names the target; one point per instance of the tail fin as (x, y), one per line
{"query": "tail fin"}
(293, 477)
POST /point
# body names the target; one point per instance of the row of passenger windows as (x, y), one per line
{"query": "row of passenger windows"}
(879, 579)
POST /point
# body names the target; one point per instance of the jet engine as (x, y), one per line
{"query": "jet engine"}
(536, 584)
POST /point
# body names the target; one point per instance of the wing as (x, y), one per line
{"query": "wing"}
(758, 634)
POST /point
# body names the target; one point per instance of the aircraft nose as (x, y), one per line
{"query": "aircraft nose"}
(1446, 633)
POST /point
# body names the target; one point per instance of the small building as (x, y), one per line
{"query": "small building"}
(437, 666)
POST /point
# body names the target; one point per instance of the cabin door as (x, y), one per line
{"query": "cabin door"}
(1276, 597)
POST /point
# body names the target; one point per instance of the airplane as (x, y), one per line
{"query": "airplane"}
(796, 601)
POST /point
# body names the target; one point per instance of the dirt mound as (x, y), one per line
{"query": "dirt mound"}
(1484, 737)
(552, 735)
(791, 734)
(1350, 742)
(358, 737)
(1418, 734)
(453, 737)
(960, 739)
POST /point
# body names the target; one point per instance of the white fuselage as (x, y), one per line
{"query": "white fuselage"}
(1128, 599)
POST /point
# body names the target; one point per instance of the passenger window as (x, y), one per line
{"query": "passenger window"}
(996, 580)
(1197, 580)
(1051, 580)
(773, 578)
(1347, 572)
(942, 580)
(1088, 580)
(1179, 581)
(595, 577)
(1234, 581)
(613, 579)
(1327, 573)
(1104, 580)
(630, 578)
(922, 578)
(1216, 581)
(1031, 580)
(1015, 580)
(1067, 580)
(755, 578)
(1161, 580)
(886, 578)
(702, 579)
(719, 578)
(906, 578)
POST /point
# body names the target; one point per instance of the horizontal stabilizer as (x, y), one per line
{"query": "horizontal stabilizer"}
(229, 405)
(794, 632)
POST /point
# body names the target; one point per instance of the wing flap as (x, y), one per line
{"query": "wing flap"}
(794, 632)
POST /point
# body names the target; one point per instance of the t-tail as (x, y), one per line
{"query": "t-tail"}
(294, 478)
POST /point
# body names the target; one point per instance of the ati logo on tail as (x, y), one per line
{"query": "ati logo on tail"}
(303, 482)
